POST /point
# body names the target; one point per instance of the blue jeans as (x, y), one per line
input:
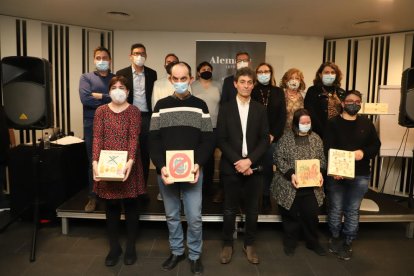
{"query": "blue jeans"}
(345, 198)
(88, 136)
(192, 209)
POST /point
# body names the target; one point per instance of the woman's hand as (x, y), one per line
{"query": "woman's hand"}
(294, 181)
(320, 179)
(165, 176)
(196, 172)
(95, 170)
(359, 154)
(127, 169)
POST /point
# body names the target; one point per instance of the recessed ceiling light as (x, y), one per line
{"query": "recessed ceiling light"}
(366, 24)
(118, 15)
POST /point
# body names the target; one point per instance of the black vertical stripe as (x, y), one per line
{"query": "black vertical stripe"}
(328, 57)
(83, 50)
(67, 80)
(381, 61)
(62, 77)
(412, 53)
(24, 37)
(333, 51)
(374, 75)
(386, 57)
(354, 70)
(370, 69)
(56, 74)
(348, 64)
(49, 43)
(102, 39)
(87, 52)
(18, 38)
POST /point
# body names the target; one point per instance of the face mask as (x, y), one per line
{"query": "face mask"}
(102, 65)
(139, 60)
(304, 128)
(263, 78)
(328, 79)
(352, 109)
(206, 75)
(293, 84)
(118, 95)
(242, 64)
(180, 87)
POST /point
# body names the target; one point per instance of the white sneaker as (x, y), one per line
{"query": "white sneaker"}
(159, 197)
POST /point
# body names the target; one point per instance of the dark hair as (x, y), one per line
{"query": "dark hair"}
(272, 77)
(121, 79)
(137, 45)
(242, 53)
(245, 71)
(182, 63)
(318, 79)
(352, 92)
(170, 55)
(202, 64)
(101, 49)
(295, 120)
(286, 77)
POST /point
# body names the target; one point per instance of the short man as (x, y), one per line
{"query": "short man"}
(141, 82)
(94, 92)
(229, 91)
(182, 122)
(243, 138)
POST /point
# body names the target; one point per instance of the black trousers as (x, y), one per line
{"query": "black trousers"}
(113, 217)
(303, 215)
(240, 189)
(143, 144)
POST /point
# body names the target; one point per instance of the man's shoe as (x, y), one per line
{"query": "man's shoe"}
(159, 197)
(226, 254)
(318, 249)
(113, 256)
(289, 251)
(172, 261)
(335, 245)
(251, 254)
(346, 252)
(196, 267)
(91, 205)
(130, 256)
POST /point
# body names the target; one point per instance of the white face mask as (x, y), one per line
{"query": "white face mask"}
(293, 84)
(242, 64)
(118, 95)
(139, 60)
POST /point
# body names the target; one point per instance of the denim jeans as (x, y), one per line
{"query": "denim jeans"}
(88, 136)
(345, 198)
(192, 200)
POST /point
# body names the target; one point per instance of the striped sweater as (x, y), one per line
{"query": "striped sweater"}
(178, 124)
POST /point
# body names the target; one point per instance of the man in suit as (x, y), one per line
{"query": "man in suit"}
(243, 138)
(141, 82)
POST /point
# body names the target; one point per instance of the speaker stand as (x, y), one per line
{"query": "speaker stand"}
(36, 199)
(411, 185)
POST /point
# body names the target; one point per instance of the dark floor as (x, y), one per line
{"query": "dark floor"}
(381, 249)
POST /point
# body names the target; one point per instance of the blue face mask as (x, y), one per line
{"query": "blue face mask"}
(304, 128)
(263, 78)
(180, 87)
(102, 65)
(328, 79)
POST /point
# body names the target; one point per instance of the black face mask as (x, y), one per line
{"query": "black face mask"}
(206, 75)
(352, 109)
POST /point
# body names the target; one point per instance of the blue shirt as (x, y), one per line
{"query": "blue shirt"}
(93, 82)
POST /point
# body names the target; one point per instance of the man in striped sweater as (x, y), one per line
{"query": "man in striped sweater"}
(182, 122)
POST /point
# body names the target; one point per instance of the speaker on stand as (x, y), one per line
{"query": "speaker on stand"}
(406, 117)
(28, 105)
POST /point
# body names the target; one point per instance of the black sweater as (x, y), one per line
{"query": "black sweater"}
(353, 135)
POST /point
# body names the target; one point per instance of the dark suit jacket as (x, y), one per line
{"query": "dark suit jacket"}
(230, 135)
(228, 91)
(150, 78)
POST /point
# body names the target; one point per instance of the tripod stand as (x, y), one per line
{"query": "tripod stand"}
(36, 198)
(411, 185)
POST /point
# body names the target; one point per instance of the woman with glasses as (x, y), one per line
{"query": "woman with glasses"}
(351, 132)
(323, 99)
(272, 98)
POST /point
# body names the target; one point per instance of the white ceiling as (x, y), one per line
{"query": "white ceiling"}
(327, 18)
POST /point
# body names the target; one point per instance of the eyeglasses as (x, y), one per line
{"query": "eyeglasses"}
(264, 72)
(105, 58)
(352, 102)
(143, 54)
(242, 60)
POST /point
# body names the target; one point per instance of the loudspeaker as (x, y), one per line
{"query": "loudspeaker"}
(27, 94)
(406, 114)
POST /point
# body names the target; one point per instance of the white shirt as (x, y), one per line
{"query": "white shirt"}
(139, 99)
(243, 113)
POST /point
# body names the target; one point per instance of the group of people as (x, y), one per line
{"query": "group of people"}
(260, 129)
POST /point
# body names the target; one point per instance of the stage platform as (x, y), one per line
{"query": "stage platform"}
(153, 210)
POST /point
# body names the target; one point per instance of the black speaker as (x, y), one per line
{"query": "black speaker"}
(27, 94)
(406, 114)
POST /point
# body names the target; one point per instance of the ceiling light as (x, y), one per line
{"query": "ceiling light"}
(366, 24)
(118, 15)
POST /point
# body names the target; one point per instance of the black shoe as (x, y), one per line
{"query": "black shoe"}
(113, 256)
(172, 261)
(318, 249)
(289, 251)
(196, 267)
(130, 257)
(335, 245)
